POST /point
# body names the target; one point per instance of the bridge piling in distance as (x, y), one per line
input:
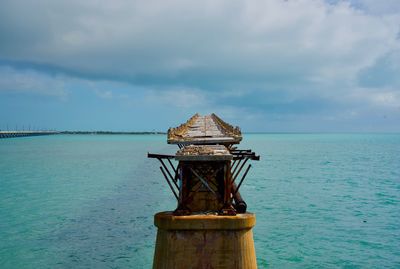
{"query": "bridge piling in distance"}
(11, 134)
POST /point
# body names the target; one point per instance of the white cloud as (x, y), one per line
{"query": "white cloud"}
(107, 94)
(382, 98)
(187, 40)
(177, 97)
(379, 7)
(30, 81)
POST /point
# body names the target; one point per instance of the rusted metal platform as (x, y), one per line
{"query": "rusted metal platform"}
(210, 169)
(204, 153)
(209, 129)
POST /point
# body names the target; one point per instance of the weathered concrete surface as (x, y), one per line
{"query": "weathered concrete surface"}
(204, 241)
(209, 129)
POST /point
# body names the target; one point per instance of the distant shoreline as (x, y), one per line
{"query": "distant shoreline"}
(110, 132)
(12, 134)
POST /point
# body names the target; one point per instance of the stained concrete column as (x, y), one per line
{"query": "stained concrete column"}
(204, 241)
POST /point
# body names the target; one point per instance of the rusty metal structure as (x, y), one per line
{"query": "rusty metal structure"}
(210, 168)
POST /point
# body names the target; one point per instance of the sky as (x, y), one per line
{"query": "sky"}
(267, 66)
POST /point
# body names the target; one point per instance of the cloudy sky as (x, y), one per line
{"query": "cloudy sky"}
(272, 65)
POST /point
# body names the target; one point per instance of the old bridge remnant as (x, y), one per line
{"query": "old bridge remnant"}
(210, 227)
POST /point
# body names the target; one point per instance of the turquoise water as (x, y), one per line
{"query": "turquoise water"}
(86, 201)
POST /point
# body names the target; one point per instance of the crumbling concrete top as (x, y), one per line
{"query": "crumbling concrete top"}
(204, 153)
(209, 129)
(168, 221)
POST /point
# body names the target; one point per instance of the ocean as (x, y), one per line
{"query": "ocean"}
(87, 201)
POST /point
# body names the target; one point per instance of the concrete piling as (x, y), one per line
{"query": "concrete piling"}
(204, 241)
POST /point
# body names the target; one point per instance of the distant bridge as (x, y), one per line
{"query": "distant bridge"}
(9, 134)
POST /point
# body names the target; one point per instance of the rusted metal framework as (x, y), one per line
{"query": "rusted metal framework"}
(210, 171)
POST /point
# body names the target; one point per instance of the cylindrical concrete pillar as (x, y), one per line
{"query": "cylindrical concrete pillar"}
(204, 241)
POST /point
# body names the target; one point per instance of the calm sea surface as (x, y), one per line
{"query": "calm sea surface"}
(87, 201)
